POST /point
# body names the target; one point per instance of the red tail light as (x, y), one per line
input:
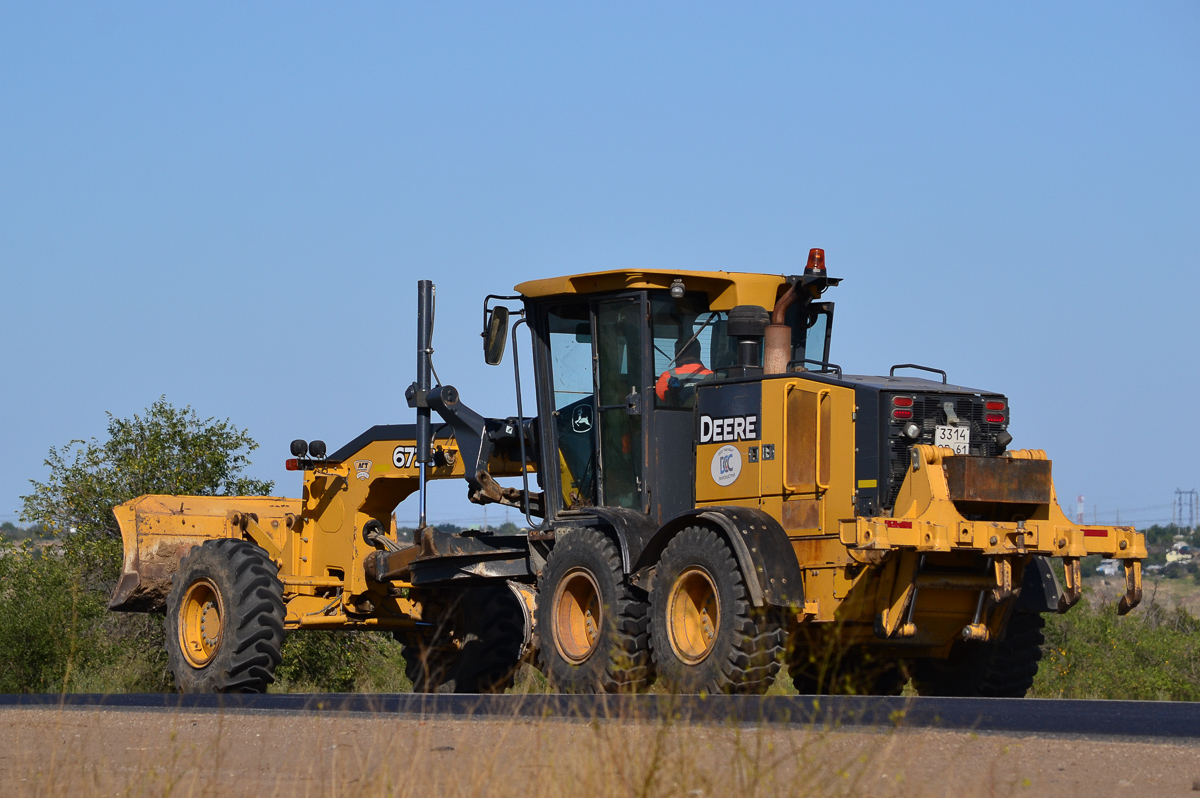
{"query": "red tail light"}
(901, 414)
(902, 401)
(994, 405)
(995, 418)
(292, 464)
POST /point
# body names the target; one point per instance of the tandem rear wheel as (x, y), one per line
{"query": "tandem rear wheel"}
(224, 624)
(705, 635)
(592, 624)
(1000, 669)
(819, 665)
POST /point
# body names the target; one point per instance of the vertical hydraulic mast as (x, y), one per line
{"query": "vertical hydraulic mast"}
(425, 293)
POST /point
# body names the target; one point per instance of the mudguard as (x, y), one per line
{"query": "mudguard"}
(1039, 588)
(633, 530)
(759, 543)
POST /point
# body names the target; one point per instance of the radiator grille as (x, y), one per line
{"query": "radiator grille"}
(928, 412)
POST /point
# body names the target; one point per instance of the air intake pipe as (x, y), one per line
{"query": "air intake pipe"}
(746, 325)
(779, 335)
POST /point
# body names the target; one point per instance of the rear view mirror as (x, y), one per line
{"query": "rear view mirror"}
(495, 336)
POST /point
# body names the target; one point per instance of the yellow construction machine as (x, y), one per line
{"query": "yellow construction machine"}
(708, 498)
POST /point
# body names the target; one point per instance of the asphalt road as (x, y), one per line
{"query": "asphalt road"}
(1056, 717)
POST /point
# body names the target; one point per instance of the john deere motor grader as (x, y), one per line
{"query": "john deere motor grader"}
(707, 495)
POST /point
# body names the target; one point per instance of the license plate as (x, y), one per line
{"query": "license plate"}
(956, 438)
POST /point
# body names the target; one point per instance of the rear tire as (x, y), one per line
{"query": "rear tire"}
(224, 623)
(475, 648)
(592, 624)
(857, 671)
(1004, 669)
(705, 635)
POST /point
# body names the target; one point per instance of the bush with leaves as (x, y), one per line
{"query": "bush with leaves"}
(167, 450)
(47, 619)
(341, 662)
(55, 630)
(1091, 652)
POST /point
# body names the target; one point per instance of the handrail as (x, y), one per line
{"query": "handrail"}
(821, 396)
(828, 366)
(816, 484)
(521, 436)
(892, 372)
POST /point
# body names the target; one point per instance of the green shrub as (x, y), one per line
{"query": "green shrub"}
(340, 662)
(55, 630)
(47, 620)
(1152, 654)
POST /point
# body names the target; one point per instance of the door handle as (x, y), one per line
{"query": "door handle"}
(633, 403)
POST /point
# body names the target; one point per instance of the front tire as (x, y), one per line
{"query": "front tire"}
(592, 624)
(705, 635)
(224, 624)
(476, 647)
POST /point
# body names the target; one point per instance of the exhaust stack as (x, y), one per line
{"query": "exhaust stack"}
(779, 335)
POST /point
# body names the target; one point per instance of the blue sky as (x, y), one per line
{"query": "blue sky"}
(230, 204)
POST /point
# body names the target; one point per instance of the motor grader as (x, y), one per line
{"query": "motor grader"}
(708, 498)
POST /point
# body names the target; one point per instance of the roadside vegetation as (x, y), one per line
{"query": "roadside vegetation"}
(58, 571)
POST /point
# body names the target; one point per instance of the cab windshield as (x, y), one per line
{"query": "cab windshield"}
(690, 346)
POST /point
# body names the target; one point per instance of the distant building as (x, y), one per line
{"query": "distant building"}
(1176, 556)
(1110, 567)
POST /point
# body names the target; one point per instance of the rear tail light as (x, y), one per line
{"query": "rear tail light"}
(994, 418)
(902, 401)
(292, 464)
(994, 405)
(901, 414)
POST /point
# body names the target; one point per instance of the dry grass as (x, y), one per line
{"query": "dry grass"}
(1166, 592)
(127, 753)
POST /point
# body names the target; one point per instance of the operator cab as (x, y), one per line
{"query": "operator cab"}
(618, 358)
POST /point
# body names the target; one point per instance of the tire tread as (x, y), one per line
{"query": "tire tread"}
(252, 632)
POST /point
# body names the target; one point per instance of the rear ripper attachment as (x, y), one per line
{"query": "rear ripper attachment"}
(973, 524)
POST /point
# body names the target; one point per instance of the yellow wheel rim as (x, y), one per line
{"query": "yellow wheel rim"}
(578, 617)
(201, 623)
(693, 615)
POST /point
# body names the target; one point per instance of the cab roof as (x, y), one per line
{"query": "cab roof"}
(725, 290)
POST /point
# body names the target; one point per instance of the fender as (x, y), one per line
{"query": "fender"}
(759, 543)
(1039, 588)
(633, 530)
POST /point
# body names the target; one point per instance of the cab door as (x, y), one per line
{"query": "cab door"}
(567, 387)
(621, 399)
